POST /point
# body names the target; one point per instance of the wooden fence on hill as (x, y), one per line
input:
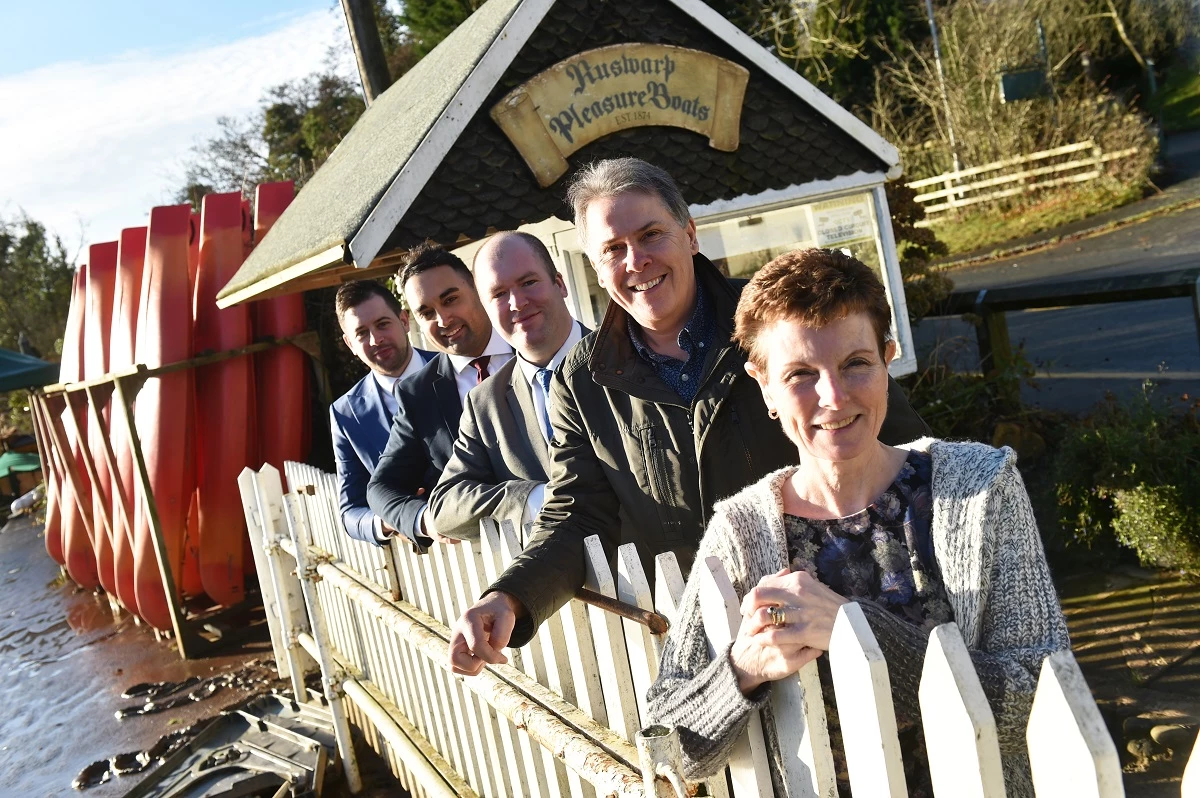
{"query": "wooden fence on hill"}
(1071, 163)
(564, 717)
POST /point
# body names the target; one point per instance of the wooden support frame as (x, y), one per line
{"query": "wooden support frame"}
(123, 387)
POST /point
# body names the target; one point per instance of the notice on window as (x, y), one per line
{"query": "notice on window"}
(843, 220)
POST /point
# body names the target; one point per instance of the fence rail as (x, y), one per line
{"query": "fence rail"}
(563, 718)
(1070, 163)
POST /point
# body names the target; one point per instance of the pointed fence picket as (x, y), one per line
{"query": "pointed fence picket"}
(560, 720)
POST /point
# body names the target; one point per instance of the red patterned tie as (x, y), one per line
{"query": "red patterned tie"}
(481, 366)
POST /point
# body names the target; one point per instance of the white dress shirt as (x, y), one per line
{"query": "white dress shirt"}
(529, 371)
(498, 353)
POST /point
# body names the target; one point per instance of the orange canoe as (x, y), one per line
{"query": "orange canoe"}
(102, 274)
(131, 257)
(284, 415)
(224, 409)
(79, 552)
(164, 335)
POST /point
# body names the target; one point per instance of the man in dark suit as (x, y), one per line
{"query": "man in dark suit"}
(501, 461)
(375, 328)
(439, 289)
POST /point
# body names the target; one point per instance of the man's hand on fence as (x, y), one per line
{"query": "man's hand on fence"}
(482, 632)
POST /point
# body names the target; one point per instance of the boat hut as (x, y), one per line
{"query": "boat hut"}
(484, 133)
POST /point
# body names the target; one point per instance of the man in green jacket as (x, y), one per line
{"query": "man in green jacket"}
(655, 418)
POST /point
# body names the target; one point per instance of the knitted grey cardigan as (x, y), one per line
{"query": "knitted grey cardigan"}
(994, 570)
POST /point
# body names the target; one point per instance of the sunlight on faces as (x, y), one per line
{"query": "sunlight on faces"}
(643, 258)
(828, 384)
(448, 311)
(524, 303)
(377, 336)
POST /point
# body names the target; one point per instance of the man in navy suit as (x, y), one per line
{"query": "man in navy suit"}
(439, 288)
(375, 328)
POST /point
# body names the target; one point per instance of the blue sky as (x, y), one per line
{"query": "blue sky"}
(101, 102)
(50, 31)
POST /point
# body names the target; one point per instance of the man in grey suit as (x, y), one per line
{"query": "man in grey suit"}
(501, 459)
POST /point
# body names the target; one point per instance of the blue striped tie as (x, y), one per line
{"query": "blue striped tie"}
(543, 380)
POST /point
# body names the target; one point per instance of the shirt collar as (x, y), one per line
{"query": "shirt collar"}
(496, 346)
(415, 362)
(697, 328)
(530, 370)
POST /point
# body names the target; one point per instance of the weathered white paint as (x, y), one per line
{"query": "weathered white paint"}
(749, 767)
(864, 703)
(632, 588)
(617, 682)
(960, 732)
(1070, 751)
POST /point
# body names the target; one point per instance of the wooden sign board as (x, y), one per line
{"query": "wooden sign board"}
(599, 92)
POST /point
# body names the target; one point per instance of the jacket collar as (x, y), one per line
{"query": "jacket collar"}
(614, 362)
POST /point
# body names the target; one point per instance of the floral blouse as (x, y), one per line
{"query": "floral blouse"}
(884, 554)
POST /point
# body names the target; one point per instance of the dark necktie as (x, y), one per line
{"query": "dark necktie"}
(543, 380)
(481, 366)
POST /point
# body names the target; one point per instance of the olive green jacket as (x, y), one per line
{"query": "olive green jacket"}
(633, 463)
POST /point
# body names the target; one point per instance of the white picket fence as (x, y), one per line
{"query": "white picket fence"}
(1070, 163)
(563, 718)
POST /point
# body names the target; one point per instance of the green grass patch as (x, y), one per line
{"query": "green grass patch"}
(1179, 99)
(991, 227)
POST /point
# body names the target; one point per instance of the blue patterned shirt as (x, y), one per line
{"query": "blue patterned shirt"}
(696, 338)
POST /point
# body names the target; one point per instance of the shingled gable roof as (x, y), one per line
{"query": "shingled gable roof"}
(427, 161)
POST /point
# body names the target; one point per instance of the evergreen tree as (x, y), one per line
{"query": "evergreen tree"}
(36, 275)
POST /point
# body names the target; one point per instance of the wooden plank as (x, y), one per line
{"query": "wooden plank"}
(960, 732)
(1065, 149)
(1070, 751)
(471, 740)
(257, 532)
(668, 594)
(643, 647)
(538, 664)
(533, 778)
(620, 703)
(496, 785)
(1014, 177)
(188, 642)
(864, 702)
(720, 609)
(505, 734)
(1191, 774)
(424, 695)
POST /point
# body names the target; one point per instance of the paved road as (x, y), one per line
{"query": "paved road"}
(1083, 352)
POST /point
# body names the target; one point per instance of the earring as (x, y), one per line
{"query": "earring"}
(772, 412)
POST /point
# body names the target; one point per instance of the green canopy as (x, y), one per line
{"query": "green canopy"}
(11, 462)
(22, 371)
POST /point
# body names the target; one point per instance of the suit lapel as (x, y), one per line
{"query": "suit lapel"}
(445, 388)
(520, 402)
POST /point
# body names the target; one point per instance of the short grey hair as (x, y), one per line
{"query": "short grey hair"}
(603, 179)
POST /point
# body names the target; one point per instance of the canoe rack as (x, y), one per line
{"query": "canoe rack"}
(196, 634)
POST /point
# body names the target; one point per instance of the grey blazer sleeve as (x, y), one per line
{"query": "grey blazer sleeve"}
(470, 488)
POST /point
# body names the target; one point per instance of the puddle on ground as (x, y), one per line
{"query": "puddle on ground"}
(67, 662)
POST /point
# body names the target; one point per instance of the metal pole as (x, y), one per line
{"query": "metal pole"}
(368, 49)
(937, 59)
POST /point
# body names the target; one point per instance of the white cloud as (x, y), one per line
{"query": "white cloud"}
(100, 144)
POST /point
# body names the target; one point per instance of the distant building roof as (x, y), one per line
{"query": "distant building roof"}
(426, 160)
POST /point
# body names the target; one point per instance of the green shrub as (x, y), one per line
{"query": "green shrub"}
(1130, 471)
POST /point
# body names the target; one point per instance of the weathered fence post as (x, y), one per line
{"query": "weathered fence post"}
(960, 732)
(749, 768)
(864, 702)
(1070, 750)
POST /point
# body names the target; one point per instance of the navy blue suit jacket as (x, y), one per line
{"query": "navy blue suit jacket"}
(418, 448)
(359, 422)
